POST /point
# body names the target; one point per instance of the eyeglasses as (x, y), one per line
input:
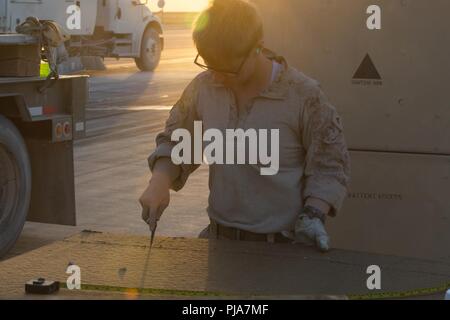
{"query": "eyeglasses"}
(233, 73)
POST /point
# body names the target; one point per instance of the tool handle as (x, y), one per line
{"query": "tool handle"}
(147, 217)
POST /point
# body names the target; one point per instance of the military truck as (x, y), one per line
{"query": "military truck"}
(39, 120)
(103, 28)
(385, 65)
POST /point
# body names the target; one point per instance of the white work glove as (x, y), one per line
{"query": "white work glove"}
(311, 231)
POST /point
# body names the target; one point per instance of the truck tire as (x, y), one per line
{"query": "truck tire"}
(15, 184)
(150, 51)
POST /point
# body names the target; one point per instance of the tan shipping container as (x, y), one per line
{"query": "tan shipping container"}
(391, 87)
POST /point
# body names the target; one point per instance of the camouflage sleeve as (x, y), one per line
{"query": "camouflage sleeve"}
(182, 116)
(327, 163)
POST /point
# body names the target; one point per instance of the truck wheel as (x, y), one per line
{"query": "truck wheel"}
(15, 184)
(150, 51)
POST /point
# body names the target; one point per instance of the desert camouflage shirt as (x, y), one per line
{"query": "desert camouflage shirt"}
(314, 160)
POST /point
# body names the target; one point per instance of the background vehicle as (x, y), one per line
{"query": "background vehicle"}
(108, 28)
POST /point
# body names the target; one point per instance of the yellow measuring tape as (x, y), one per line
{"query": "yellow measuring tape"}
(404, 294)
(148, 291)
(135, 292)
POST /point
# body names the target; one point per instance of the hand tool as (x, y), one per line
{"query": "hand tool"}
(145, 213)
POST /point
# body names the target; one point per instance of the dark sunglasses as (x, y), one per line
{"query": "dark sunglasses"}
(234, 73)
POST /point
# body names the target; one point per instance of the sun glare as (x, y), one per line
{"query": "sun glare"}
(180, 5)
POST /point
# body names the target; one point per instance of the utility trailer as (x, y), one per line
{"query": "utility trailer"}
(39, 121)
(389, 82)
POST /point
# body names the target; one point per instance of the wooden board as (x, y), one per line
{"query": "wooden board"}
(113, 266)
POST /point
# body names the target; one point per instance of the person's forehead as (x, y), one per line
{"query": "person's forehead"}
(225, 63)
(233, 54)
